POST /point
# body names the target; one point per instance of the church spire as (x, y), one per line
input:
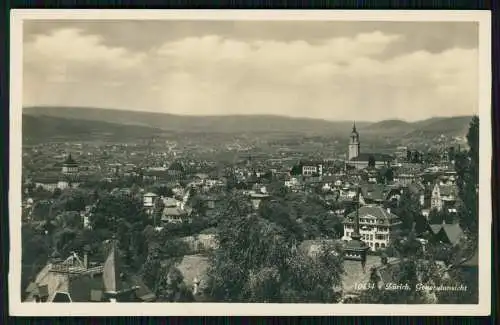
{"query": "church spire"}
(354, 126)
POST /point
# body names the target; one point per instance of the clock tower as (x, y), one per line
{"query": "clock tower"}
(354, 143)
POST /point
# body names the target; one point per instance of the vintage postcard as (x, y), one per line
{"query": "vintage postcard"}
(250, 163)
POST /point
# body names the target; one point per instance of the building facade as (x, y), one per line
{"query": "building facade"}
(377, 226)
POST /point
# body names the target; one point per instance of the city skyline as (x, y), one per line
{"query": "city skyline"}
(405, 70)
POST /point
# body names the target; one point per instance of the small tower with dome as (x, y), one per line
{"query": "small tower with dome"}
(70, 167)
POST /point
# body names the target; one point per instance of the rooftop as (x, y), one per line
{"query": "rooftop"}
(375, 211)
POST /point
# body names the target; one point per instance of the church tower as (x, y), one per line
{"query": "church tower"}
(354, 143)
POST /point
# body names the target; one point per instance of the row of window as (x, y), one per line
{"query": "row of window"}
(368, 237)
(377, 229)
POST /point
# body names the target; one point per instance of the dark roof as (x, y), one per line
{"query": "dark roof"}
(158, 173)
(143, 292)
(355, 244)
(62, 297)
(375, 211)
(49, 179)
(84, 288)
(70, 161)
(416, 188)
(448, 190)
(365, 156)
(453, 232)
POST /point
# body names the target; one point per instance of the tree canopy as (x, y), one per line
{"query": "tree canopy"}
(264, 264)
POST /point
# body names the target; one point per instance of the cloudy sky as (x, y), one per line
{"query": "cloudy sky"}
(330, 70)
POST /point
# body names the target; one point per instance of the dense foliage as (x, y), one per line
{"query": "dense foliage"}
(262, 261)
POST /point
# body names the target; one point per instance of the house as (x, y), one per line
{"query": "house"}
(76, 280)
(401, 153)
(311, 168)
(175, 211)
(407, 174)
(156, 174)
(175, 215)
(332, 181)
(292, 183)
(444, 197)
(48, 183)
(149, 200)
(377, 226)
(257, 198)
(418, 190)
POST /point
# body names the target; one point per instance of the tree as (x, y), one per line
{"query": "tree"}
(57, 193)
(123, 216)
(164, 191)
(72, 200)
(35, 252)
(296, 170)
(409, 211)
(467, 167)
(257, 262)
(389, 175)
(171, 286)
(371, 161)
(151, 268)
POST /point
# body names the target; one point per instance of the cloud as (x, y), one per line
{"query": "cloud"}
(66, 47)
(334, 78)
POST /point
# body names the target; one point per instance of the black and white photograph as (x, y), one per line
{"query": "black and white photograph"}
(250, 163)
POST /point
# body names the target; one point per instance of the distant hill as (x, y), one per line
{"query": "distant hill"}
(40, 128)
(429, 128)
(452, 126)
(183, 123)
(52, 121)
(388, 127)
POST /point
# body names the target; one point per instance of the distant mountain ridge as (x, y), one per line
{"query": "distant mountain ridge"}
(449, 126)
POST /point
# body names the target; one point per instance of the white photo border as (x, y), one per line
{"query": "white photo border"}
(18, 308)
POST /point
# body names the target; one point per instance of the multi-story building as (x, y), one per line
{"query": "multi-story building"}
(312, 169)
(70, 166)
(401, 153)
(444, 197)
(377, 226)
